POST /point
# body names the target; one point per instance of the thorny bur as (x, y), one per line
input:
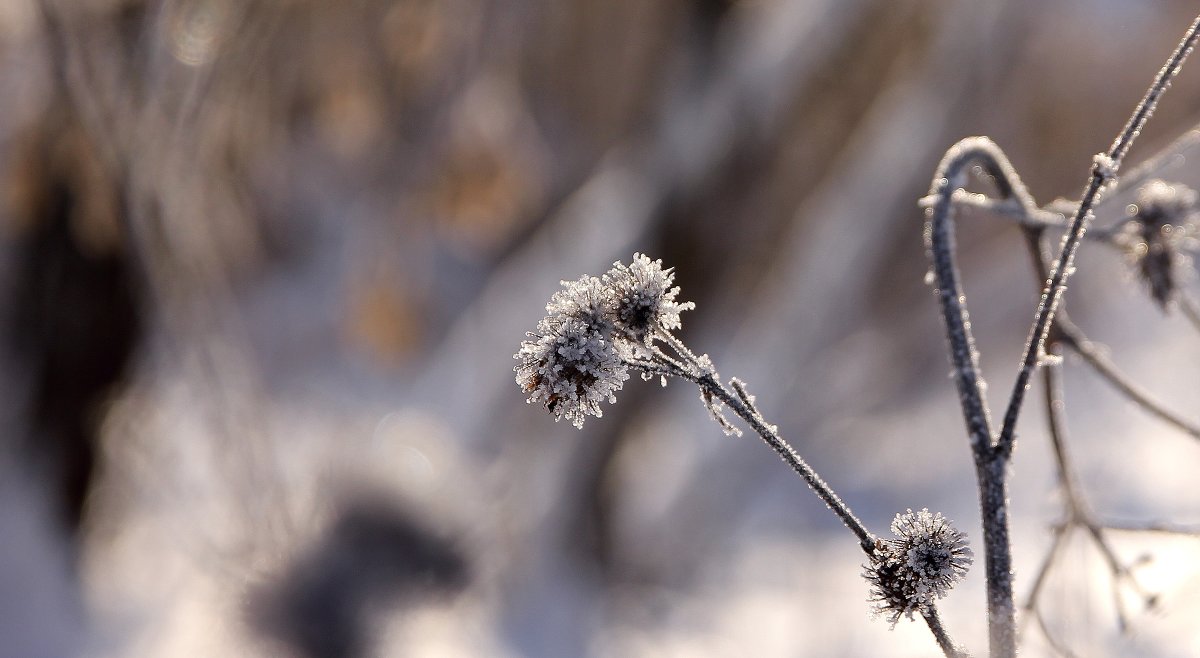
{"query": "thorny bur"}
(919, 565)
(594, 327)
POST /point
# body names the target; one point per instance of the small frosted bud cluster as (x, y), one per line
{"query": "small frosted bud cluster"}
(919, 565)
(574, 361)
(1162, 220)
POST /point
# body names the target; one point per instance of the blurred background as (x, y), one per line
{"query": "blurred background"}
(265, 264)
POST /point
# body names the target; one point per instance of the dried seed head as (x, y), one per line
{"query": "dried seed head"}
(572, 363)
(594, 329)
(1160, 202)
(1162, 219)
(643, 299)
(917, 567)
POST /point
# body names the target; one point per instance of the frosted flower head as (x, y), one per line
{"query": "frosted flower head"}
(572, 364)
(643, 299)
(1162, 219)
(920, 565)
(586, 299)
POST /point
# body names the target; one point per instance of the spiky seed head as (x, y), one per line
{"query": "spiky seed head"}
(643, 299)
(571, 364)
(919, 565)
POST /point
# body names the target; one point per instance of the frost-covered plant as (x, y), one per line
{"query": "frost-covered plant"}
(597, 329)
(572, 364)
(909, 572)
(992, 452)
(1162, 220)
(643, 299)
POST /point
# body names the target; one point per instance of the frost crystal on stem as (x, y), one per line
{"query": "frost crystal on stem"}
(920, 565)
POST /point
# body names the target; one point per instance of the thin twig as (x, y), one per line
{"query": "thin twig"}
(934, 621)
(792, 458)
(1151, 166)
(1033, 217)
(1052, 215)
(1059, 535)
(1054, 642)
(1060, 532)
(1154, 527)
(1076, 511)
(1190, 310)
(1104, 169)
(1057, 424)
(709, 384)
(742, 403)
(1072, 337)
(1120, 574)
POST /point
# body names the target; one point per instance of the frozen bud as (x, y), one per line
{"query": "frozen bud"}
(1162, 219)
(571, 365)
(924, 560)
(1160, 202)
(643, 299)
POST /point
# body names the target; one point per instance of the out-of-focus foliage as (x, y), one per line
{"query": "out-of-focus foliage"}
(265, 258)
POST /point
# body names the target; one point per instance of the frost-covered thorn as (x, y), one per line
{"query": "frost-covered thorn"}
(714, 407)
(739, 387)
(924, 560)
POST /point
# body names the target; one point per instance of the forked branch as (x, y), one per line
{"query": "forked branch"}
(992, 454)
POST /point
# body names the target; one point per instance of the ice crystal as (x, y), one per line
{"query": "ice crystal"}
(1104, 166)
(572, 364)
(919, 565)
(643, 299)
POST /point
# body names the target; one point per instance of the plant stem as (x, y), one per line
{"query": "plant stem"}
(990, 465)
(1104, 169)
(793, 459)
(742, 403)
(1072, 337)
(934, 621)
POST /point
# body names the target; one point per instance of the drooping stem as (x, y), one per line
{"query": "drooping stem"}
(739, 400)
(792, 458)
(699, 371)
(992, 456)
(990, 465)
